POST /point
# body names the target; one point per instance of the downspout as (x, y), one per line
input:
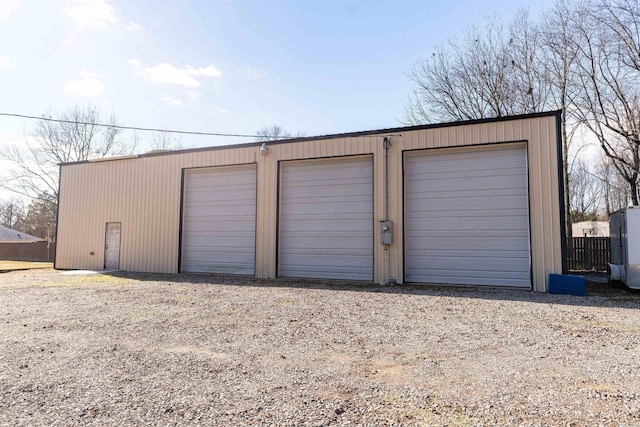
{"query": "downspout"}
(386, 145)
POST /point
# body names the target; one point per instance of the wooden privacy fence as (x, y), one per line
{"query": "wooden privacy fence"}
(588, 253)
(27, 251)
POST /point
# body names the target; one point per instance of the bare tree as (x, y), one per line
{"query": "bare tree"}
(463, 80)
(165, 141)
(608, 104)
(531, 82)
(12, 214)
(586, 192)
(275, 132)
(76, 136)
(560, 57)
(615, 191)
(492, 71)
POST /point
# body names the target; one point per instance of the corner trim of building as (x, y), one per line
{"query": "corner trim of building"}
(55, 258)
(182, 173)
(561, 185)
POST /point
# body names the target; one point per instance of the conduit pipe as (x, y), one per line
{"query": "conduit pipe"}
(386, 144)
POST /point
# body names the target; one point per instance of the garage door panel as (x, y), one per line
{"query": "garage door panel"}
(346, 261)
(334, 209)
(434, 202)
(224, 198)
(207, 266)
(219, 215)
(439, 193)
(451, 276)
(464, 236)
(467, 217)
(328, 184)
(225, 241)
(205, 224)
(348, 224)
(322, 180)
(297, 212)
(303, 222)
(233, 182)
(205, 215)
(466, 223)
(202, 177)
(506, 244)
(229, 256)
(476, 227)
(326, 219)
(349, 249)
(472, 184)
(319, 197)
(467, 193)
(447, 279)
(229, 192)
(452, 172)
(325, 175)
(501, 159)
(477, 174)
(462, 253)
(299, 242)
(327, 272)
(310, 195)
(494, 213)
(486, 264)
(511, 278)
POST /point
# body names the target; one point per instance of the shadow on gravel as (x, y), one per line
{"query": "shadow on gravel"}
(599, 291)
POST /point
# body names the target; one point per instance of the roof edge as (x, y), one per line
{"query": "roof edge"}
(356, 134)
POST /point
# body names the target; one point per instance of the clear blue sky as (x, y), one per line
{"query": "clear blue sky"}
(224, 66)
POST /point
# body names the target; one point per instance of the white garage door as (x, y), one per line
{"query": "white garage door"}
(467, 217)
(219, 220)
(326, 219)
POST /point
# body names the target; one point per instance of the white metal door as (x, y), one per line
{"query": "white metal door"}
(467, 217)
(219, 220)
(112, 246)
(326, 219)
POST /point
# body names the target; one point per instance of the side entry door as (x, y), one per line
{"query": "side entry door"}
(112, 246)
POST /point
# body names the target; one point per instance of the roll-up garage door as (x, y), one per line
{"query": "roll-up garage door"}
(219, 220)
(467, 217)
(326, 219)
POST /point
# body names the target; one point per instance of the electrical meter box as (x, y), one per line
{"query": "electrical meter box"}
(386, 232)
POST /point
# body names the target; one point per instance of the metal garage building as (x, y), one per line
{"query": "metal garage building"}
(473, 203)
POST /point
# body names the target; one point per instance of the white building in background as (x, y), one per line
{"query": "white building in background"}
(590, 229)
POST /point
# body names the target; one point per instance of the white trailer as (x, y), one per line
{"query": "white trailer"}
(624, 227)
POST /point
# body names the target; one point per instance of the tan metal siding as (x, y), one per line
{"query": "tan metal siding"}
(144, 194)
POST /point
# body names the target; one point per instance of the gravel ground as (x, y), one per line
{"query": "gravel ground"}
(137, 349)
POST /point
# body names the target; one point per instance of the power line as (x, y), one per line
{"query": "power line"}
(182, 132)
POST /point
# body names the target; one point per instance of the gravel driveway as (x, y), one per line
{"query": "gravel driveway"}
(139, 349)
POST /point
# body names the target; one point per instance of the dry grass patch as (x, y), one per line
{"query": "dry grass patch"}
(23, 265)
